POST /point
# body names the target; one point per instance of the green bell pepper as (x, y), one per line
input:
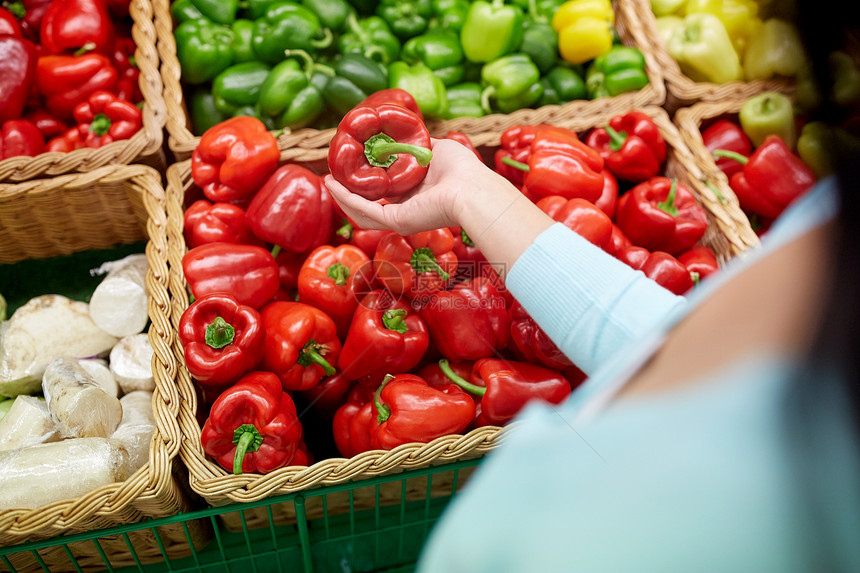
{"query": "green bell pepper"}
(513, 81)
(370, 37)
(239, 85)
(543, 10)
(407, 18)
(254, 111)
(420, 81)
(356, 77)
(618, 71)
(242, 46)
(491, 30)
(464, 100)
(219, 11)
(258, 8)
(288, 97)
(184, 10)
(814, 147)
(203, 49)
(769, 113)
(440, 50)
(561, 85)
(331, 13)
(288, 26)
(203, 112)
(704, 51)
(846, 78)
(449, 14)
(540, 43)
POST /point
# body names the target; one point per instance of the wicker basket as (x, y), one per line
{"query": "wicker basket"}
(154, 490)
(683, 91)
(182, 142)
(144, 147)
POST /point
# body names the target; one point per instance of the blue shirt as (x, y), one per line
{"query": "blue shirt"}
(705, 480)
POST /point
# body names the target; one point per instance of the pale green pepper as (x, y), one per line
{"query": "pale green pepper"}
(774, 50)
(666, 7)
(667, 26)
(814, 149)
(768, 113)
(740, 17)
(704, 51)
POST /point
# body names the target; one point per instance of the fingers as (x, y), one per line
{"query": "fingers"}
(366, 214)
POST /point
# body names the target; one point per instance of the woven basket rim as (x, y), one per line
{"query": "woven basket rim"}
(216, 485)
(182, 142)
(151, 490)
(147, 141)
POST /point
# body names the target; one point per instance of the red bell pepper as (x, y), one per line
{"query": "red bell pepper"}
(72, 25)
(20, 137)
(301, 344)
(9, 23)
(521, 136)
(207, 222)
(17, 73)
(331, 279)
(247, 272)
(772, 178)
(351, 422)
(465, 249)
(463, 140)
(408, 410)
(128, 84)
(618, 240)
(505, 167)
(393, 96)
(329, 395)
(48, 125)
(435, 377)
(386, 336)
(660, 267)
(506, 387)
(608, 199)
(365, 239)
(631, 145)
(380, 151)
(289, 266)
(64, 81)
(468, 322)
(71, 140)
(661, 215)
(105, 118)
(533, 343)
(700, 261)
(252, 426)
(29, 14)
(222, 339)
(118, 8)
(581, 216)
(418, 264)
(728, 135)
(292, 210)
(234, 159)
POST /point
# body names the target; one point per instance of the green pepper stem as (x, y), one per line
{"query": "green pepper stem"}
(372, 51)
(247, 439)
(395, 319)
(742, 159)
(307, 62)
(310, 355)
(355, 28)
(488, 93)
(616, 139)
(695, 276)
(100, 124)
(514, 163)
(88, 47)
(668, 206)
(720, 197)
(533, 13)
(339, 272)
(219, 333)
(381, 151)
(383, 411)
(346, 230)
(423, 260)
(276, 250)
(467, 240)
(324, 42)
(17, 9)
(445, 366)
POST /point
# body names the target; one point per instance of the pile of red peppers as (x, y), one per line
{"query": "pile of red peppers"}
(68, 78)
(394, 339)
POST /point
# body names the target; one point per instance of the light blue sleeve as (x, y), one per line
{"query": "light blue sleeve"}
(589, 303)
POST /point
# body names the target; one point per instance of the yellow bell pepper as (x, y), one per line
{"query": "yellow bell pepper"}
(775, 50)
(584, 29)
(740, 17)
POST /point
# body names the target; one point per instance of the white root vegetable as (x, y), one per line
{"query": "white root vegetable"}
(27, 423)
(78, 405)
(38, 475)
(135, 431)
(46, 327)
(101, 375)
(118, 305)
(131, 363)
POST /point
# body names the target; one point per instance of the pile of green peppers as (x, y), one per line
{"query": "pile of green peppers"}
(305, 63)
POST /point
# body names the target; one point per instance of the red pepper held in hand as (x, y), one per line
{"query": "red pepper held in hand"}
(222, 340)
(20, 137)
(661, 215)
(72, 25)
(65, 81)
(207, 222)
(234, 159)
(252, 426)
(727, 135)
(408, 410)
(380, 152)
(293, 209)
(580, 216)
(631, 145)
(772, 178)
(301, 344)
(331, 279)
(386, 335)
(418, 264)
(660, 267)
(17, 73)
(247, 272)
(393, 96)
